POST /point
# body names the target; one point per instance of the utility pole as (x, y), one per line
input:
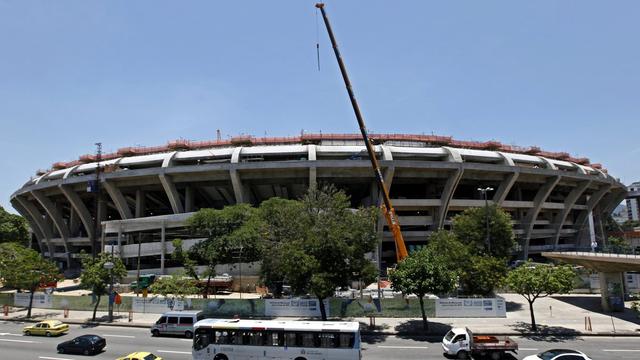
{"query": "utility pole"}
(95, 189)
(487, 241)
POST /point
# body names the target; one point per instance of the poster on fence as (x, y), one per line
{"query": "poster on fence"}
(158, 305)
(293, 307)
(40, 300)
(473, 307)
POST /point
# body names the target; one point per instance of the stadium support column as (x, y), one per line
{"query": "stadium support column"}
(169, 186)
(529, 220)
(236, 182)
(140, 203)
(388, 173)
(38, 219)
(58, 222)
(118, 200)
(569, 201)
(509, 180)
(581, 221)
(313, 171)
(35, 227)
(80, 209)
(607, 205)
(188, 198)
(163, 247)
(450, 186)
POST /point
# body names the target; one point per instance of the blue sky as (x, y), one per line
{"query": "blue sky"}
(562, 75)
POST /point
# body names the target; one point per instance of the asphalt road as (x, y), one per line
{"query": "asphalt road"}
(122, 340)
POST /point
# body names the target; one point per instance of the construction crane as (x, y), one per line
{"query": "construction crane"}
(387, 207)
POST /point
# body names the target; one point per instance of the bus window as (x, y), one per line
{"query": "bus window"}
(201, 339)
(307, 340)
(274, 338)
(346, 340)
(328, 340)
(290, 339)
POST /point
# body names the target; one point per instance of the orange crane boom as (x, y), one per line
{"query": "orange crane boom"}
(387, 208)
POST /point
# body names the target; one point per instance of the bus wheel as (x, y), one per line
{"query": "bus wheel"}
(188, 334)
(300, 358)
(497, 355)
(463, 354)
(221, 357)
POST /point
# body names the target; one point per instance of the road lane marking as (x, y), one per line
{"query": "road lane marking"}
(528, 349)
(402, 347)
(621, 350)
(20, 341)
(187, 340)
(10, 334)
(174, 352)
(120, 336)
(52, 358)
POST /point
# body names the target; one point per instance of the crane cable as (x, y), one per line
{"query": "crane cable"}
(317, 40)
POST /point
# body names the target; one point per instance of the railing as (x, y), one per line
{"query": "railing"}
(606, 251)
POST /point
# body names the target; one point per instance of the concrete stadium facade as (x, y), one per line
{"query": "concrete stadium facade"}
(556, 202)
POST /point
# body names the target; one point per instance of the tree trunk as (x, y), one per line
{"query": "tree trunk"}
(425, 323)
(323, 311)
(30, 303)
(206, 290)
(95, 308)
(533, 317)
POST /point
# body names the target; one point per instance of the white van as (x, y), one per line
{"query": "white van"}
(177, 323)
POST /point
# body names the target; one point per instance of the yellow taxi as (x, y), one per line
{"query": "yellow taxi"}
(141, 355)
(47, 328)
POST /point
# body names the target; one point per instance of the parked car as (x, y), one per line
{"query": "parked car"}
(46, 328)
(84, 344)
(141, 355)
(559, 354)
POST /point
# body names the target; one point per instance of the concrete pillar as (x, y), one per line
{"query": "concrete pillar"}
(163, 248)
(612, 290)
(140, 203)
(188, 199)
(313, 172)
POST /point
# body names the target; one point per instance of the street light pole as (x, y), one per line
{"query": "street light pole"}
(487, 241)
(109, 266)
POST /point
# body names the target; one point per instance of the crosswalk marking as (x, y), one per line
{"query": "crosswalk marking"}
(19, 341)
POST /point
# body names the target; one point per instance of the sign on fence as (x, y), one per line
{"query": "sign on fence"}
(458, 308)
(293, 307)
(158, 305)
(40, 300)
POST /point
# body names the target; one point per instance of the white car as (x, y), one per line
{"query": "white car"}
(559, 354)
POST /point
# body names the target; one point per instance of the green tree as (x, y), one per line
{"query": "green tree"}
(97, 278)
(329, 252)
(477, 274)
(280, 223)
(176, 286)
(22, 268)
(13, 228)
(533, 282)
(232, 235)
(618, 245)
(482, 274)
(470, 228)
(423, 272)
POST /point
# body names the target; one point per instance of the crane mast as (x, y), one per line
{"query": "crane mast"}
(387, 207)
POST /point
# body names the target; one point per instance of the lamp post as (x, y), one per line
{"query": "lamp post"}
(487, 241)
(109, 266)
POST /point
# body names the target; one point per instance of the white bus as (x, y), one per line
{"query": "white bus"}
(226, 339)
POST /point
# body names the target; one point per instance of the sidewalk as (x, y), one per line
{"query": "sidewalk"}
(556, 316)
